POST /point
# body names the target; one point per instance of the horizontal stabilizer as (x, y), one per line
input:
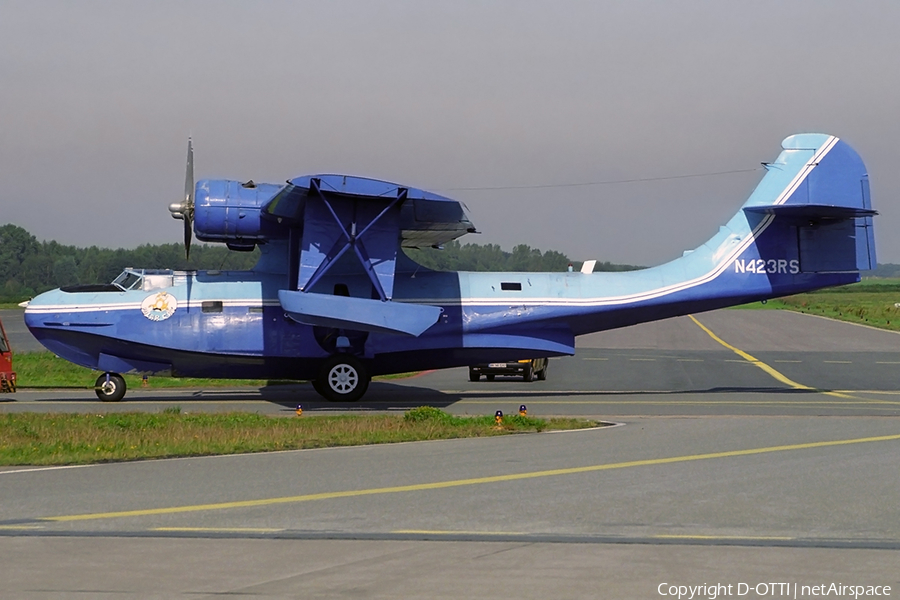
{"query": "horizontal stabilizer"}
(812, 211)
(358, 314)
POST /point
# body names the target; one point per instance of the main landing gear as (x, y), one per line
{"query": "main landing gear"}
(110, 387)
(342, 378)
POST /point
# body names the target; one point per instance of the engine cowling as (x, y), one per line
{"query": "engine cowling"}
(229, 211)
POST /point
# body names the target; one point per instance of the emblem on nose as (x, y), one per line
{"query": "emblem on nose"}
(159, 307)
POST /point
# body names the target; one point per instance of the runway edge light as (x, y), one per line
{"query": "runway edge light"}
(523, 411)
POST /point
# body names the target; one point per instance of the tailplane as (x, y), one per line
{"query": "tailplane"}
(816, 195)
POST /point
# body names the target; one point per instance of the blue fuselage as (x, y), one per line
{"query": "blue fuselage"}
(230, 324)
(808, 225)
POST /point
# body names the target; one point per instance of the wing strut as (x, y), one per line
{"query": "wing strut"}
(340, 222)
(384, 226)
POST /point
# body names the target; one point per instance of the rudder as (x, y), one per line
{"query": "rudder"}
(826, 206)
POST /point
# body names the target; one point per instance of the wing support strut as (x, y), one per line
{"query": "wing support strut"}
(369, 226)
(382, 278)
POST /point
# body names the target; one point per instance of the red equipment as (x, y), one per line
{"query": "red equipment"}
(7, 375)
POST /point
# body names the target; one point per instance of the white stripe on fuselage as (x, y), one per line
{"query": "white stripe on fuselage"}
(745, 243)
(70, 308)
(680, 286)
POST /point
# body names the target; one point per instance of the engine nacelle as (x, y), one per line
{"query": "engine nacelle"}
(229, 211)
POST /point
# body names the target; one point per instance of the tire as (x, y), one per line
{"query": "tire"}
(111, 390)
(542, 374)
(489, 377)
(473, 375)
(342, 378)
(528, 374)
(317, 385)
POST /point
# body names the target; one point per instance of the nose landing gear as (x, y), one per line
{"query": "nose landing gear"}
(110, 387)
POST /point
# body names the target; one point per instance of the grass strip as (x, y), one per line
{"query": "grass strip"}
(44, 370)
(869, 303)
(72, 439)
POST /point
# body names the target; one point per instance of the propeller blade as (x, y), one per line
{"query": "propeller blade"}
(189, 176)
(188, 206)
(187, 237)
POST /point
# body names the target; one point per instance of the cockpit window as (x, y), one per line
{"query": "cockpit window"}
(3, 346)
(128, 280)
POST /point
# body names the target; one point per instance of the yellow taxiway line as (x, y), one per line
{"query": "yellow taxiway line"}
(758, 363)
(721, 537)
(219, 529)
(462, 482)
(442, 532)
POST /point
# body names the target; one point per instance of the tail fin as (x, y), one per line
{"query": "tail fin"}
(823, 207)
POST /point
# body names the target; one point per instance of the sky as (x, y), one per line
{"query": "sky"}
(508, 106)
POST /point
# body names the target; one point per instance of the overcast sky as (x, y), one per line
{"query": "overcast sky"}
(97, 100)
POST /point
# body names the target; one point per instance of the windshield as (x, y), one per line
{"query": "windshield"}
(128, 280)
(3, 346)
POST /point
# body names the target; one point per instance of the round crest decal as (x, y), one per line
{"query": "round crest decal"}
(159, 307)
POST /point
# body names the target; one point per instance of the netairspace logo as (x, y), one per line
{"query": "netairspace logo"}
(769, 590)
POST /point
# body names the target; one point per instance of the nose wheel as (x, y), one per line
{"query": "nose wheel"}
(110, 387)
(343, 378)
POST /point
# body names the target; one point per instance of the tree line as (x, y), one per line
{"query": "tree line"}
(490, 257)
(29, 267)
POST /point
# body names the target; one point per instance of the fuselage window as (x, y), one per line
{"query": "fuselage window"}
(509, 286)
(254, 309)
(211, 306)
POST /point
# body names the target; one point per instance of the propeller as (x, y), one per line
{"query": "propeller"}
(185, 210)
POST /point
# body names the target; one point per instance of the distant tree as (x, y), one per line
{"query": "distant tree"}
(16, 245)
(65, 271)
(490, 257)
(28, 267)
(887, 270)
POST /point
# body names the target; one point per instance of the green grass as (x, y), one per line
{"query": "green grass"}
(45, 370)
(66, 439)
(870, 302)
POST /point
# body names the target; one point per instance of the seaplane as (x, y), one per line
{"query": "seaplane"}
(334, 299)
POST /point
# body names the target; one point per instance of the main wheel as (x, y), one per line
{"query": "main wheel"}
(342, 378)
(110, 387)
(474, 375)
(528, 374)
(542, 374)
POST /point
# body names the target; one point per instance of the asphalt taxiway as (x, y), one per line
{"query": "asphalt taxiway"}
(753, 446)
